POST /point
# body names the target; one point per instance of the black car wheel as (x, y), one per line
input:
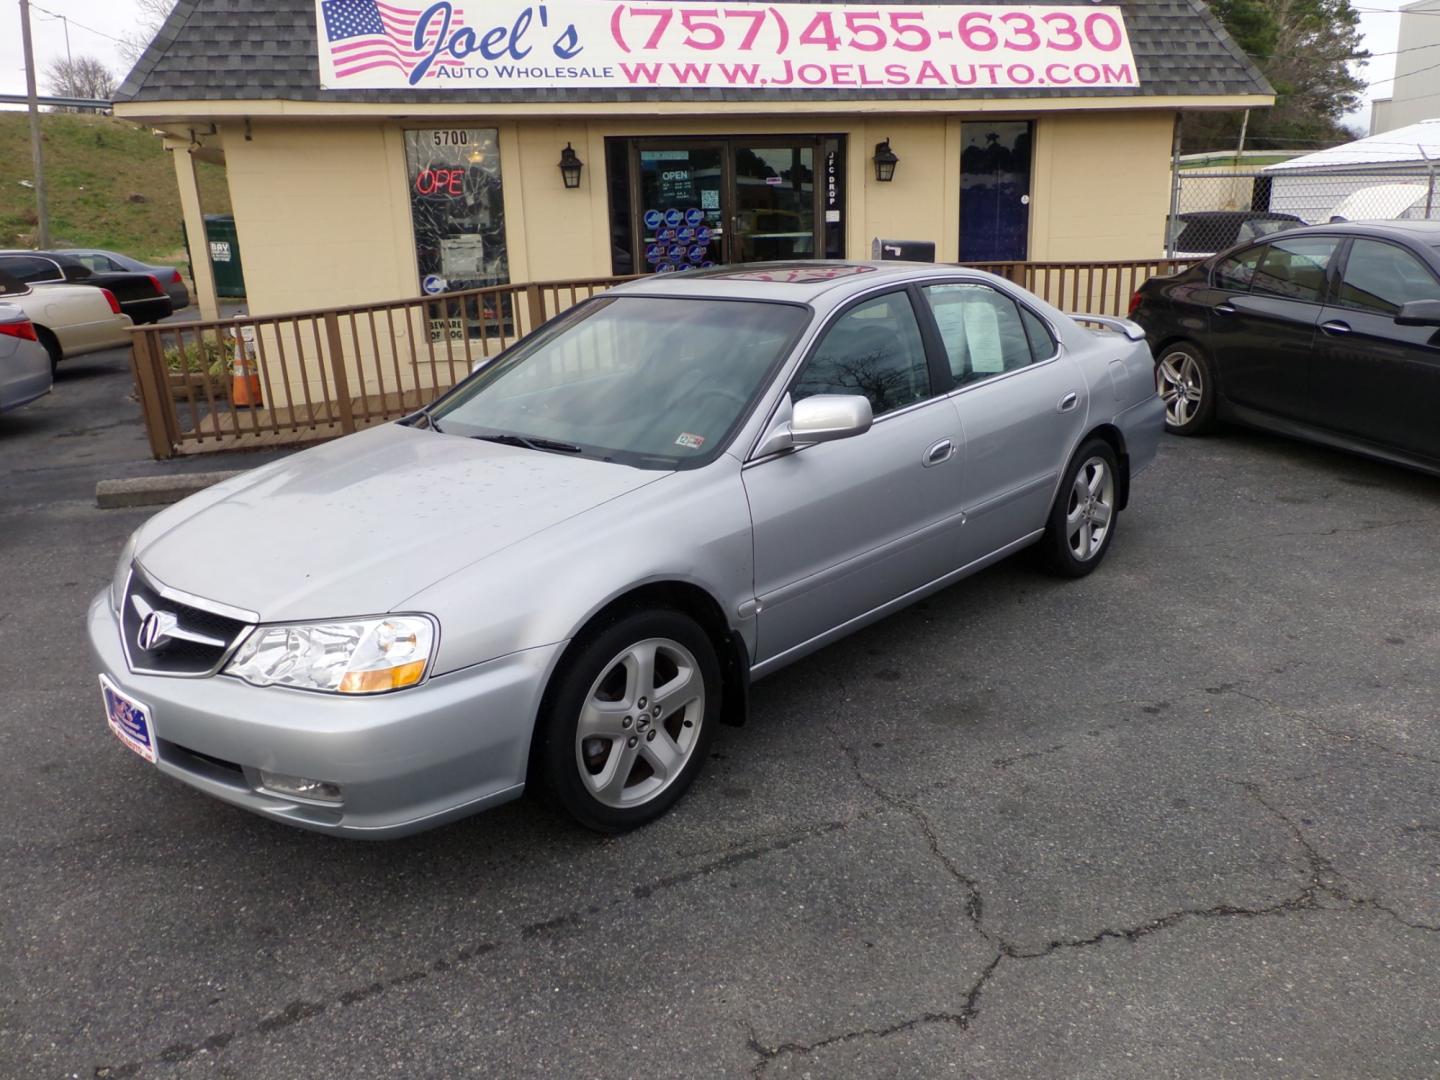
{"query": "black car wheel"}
(1186, 383)
(1086, 511)
(627, 723)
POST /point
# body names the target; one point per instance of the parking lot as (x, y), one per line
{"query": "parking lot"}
(1179, 818)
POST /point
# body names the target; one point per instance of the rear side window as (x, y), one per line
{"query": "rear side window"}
(10, 286)
(1238, 271)
(30, 269)
(1042, 342)
(1294, 269)
(100, 264)
(981, 329)
(1381, 277)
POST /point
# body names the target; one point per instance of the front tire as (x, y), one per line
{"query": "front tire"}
(627, 724)
(1086, 511)
(1185, 381)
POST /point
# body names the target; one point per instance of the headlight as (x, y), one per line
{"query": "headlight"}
(122, 572)
(360, 656)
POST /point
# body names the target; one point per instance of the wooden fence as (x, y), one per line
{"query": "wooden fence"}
(324, 373)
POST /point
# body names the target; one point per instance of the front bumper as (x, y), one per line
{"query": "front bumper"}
(405, 761)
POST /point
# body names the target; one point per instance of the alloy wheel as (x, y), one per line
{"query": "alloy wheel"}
(1179, 380)
(1091, 509)
(640, 722)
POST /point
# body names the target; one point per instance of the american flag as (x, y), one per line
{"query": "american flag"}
(365, 34)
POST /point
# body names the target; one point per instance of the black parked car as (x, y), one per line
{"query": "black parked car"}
(141, 295)
(1329, 333)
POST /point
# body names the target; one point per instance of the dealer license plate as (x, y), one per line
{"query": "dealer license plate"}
(129, 720)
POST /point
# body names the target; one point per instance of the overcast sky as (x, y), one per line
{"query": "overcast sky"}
(96, 24)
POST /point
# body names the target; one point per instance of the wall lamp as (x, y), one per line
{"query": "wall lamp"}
(885, 162)
(570, 166)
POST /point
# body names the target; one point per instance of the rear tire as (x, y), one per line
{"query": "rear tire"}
(1086, 511)
(1185, 381)
(52, 346)
(628, 720)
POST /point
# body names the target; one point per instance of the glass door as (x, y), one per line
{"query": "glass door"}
(775, 200)
(696, 203)
(680, 213)
(995, 191)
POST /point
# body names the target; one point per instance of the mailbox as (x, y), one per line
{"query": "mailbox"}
(903, 250)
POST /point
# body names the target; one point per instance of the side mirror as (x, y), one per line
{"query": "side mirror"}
(822, 418)
(1419, 313)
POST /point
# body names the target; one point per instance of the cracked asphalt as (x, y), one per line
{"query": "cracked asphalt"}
(1178, 819)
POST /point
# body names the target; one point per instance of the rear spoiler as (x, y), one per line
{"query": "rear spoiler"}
(1131, 330)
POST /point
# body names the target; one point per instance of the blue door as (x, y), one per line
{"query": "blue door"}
(995, 191)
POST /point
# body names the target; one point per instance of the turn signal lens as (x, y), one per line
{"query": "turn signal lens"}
(110, 298)
(372, 682)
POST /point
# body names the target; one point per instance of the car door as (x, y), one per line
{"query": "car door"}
(1261, 338)
(1022, 404)
(841, 528)
(1374, 379)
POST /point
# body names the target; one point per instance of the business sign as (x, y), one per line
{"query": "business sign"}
(515, 44)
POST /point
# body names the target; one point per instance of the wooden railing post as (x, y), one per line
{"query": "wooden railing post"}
(535, 299)
(338, 374)
(147, 365)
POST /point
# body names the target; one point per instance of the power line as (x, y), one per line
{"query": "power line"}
(82, 26)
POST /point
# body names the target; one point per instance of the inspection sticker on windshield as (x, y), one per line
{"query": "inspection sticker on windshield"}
(129, 720)
(690, 442)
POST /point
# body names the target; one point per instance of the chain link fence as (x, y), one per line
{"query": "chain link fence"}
(1217, 209)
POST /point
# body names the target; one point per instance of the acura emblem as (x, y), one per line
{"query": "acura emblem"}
(155, 629)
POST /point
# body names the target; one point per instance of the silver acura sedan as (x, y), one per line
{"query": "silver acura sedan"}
(568, 570)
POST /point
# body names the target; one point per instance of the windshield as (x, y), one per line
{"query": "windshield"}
(655, 382)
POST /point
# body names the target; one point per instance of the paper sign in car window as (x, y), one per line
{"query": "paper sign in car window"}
(982, 333)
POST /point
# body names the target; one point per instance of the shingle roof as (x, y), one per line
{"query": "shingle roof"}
(260, 50)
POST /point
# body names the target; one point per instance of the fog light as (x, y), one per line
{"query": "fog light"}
(300, 787)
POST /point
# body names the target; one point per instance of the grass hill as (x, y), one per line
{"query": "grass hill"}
(95, 166)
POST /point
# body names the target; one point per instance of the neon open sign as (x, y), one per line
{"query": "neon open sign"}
(447, 182)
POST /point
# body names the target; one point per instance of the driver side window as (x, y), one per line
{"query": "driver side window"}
(873, 349)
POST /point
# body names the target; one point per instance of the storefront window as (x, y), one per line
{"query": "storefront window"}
(457, 208)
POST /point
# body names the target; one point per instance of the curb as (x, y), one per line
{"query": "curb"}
(155, 490)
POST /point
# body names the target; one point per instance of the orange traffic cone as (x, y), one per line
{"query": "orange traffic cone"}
(244, 376)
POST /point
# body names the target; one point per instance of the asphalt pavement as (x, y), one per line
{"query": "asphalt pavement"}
(1178, 819)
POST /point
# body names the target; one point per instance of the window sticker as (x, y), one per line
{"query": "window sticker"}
(690, 442)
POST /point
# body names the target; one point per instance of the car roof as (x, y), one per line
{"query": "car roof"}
(1426, 233)
(798, 281)
(1236, 215)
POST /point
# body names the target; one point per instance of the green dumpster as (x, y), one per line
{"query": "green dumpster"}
(225, 254)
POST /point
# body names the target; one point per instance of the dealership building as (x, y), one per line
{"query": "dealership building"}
(379, 150)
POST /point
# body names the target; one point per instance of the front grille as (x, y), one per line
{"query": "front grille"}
(183, 639)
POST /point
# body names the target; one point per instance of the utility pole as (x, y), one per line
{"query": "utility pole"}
(37, 152)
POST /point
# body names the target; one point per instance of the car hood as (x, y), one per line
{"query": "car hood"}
(356, 526)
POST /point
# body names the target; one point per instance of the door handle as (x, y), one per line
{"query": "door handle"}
(942, 451)
(1225, 309)
(1335, 326)
(1068, 402)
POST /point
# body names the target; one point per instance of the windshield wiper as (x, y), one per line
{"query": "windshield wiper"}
(530, 443)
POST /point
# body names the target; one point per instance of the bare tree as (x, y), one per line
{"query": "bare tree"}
(82, 77)
(150, 15)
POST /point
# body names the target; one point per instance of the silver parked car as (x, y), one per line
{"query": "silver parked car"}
(568, 570)
(24, 363)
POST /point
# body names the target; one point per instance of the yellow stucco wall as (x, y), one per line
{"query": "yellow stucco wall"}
(1100, 186)
(323, 213)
